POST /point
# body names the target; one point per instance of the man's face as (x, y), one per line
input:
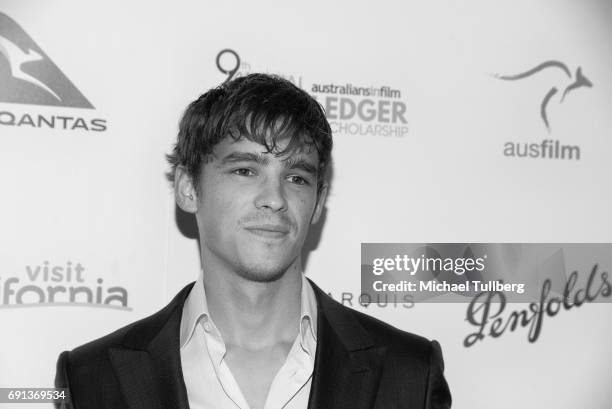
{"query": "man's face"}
(254, 208)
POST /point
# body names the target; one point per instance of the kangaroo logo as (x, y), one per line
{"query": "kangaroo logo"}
(27, 74)
(578, 80)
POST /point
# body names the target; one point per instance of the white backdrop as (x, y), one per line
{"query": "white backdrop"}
(99, 198)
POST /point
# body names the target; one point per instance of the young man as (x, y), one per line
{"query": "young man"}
(252, 332)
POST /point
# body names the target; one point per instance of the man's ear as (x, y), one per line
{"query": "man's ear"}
(321, 196)
(184, 191)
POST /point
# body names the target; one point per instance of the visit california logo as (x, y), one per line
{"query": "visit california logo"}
(66, 284)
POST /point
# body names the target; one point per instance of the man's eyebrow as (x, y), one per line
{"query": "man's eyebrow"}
(244, 157)
(262, 159)
(301, 163)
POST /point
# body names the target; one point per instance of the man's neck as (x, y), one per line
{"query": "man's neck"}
(254, 315)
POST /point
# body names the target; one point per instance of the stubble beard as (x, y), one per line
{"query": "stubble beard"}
(262, 273)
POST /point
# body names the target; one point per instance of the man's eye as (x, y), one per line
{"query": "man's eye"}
(243, 172)
(298, 180)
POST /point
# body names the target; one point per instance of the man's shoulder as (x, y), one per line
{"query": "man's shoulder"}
(393, 338)
(404, 352)
(96, 349)
(134, 335)
(412, 366)
(358, 330)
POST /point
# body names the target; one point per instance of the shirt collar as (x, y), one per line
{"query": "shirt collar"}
(308, 318)
(196, 308)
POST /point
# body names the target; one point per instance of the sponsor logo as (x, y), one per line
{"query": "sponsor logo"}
(351, 109)
(578, 80)
(230, 64)
(47, 285)
(494, 321)
(235, 64)
(29, 76)
(366, 300)
(362, 110)
(22, 119)
(548, 148)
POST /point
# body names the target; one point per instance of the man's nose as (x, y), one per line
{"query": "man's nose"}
(272, 195)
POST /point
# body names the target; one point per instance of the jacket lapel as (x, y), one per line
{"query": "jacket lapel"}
(148, 364)
(346, 375)
(348, 364)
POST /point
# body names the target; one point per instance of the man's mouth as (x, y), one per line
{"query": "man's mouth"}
(268, 230)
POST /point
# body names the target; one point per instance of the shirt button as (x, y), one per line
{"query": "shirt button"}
(207, 326)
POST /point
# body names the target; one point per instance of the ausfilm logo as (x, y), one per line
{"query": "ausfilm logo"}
(29, 76)
(47, 285)
(548, 148)
(362, 110)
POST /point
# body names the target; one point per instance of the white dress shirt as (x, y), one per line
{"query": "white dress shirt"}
(209, 381)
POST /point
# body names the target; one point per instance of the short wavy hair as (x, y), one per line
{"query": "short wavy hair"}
(260, 107)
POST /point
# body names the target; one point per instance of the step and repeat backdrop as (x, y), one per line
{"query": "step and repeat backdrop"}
(454, 122)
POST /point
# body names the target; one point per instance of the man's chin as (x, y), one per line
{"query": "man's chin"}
(264, 272)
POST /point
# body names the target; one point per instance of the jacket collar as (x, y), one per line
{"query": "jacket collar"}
(346, 327)
(148, 364)
(346, 374)
(348, 364)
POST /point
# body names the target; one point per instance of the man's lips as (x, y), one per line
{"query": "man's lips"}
(268, 230)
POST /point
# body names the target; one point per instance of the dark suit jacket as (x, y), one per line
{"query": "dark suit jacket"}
(360, 362)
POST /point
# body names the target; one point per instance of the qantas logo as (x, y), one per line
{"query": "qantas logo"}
(28, 75)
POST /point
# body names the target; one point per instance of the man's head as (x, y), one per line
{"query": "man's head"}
(250, 161)
(259, 107)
